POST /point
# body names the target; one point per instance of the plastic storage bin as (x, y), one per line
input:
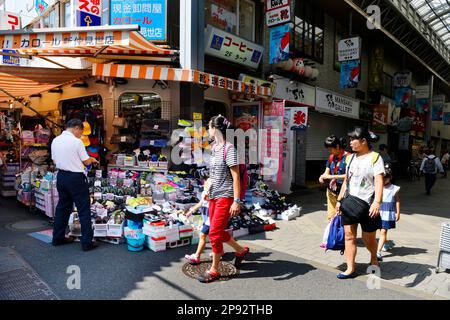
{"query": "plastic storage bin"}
(136, 244)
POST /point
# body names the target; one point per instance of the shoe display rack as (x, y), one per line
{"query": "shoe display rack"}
(444, 248)
(8, 179)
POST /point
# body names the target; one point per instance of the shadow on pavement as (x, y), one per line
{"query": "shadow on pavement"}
(276, 269)
(404, 251)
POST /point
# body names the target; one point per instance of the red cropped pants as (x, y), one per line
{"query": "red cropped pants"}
(219, 214)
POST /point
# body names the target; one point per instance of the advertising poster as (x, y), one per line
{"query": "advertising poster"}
(40, 6)
(272, 141)
(226, 19)
(350, 74)
(279, 44)
(446, 118)
(437, 111)
(246, 116)
(422, 105)
(380, 118)
(88, 12)
(403, 97)
(150, 15)
(298, 119)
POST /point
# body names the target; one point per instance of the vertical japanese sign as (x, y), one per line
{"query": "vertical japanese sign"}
(40, 6)
(299, 119)
(446, 116)
(350, 74)
(279, 44)
(272, 141)
(438, 108)
(88, 12)
(277, 11)
(150, 15)
(422, 98)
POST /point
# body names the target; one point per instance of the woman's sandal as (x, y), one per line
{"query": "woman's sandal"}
(208, 277)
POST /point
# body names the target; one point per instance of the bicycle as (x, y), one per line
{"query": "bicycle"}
(413, 171)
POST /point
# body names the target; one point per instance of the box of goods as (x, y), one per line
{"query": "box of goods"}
(163, 165)
(114, 230)
(129, 161)
(156, 244)
(172, 233)
(27, 137)
(186, 231)
(143, 164)
(100, 230)
(154, 229)
(153, 164)
(120, 159)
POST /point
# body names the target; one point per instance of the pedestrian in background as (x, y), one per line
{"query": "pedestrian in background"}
(445, 160)
(389, 212)
(430, 167)
(360, 198)
(334, 171)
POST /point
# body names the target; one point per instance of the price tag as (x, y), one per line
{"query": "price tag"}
(146, 152)
(197, 116)
(156, 126)
(123, 139)
(152, 142)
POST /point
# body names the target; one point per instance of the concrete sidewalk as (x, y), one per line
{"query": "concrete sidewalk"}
(411, 263)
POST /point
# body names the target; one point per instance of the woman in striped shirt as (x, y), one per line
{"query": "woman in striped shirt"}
(224, 196)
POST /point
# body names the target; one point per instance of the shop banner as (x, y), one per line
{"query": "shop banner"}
(11, 60)
(278, 16)
(380, 118)
(9, 21)
(446, 118)
(272, 141)
(402, 79)
(226, 19)
(403, 143)
(298, 119)
(150, 15)
(275, 4)
(246, 116)
(40, 6)
(88, 12)
(349, 49)
(331, 102)
(393, 112)
(279, 44)
(350, 74)
(229, 47)
(419, 120)
(437, 110)
(403, 97)
(256, 81)
(422, 105)
(423, 92)
(295, 92)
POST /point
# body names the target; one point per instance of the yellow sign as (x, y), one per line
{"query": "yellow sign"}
(197, 116)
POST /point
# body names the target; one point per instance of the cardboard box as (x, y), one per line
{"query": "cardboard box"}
(155, 244)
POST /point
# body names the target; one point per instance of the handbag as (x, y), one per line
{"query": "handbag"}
(351, 206)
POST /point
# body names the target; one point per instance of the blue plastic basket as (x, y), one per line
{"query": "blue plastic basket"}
(136, 244)
(135, 225)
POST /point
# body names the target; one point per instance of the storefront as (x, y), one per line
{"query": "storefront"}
(333, 114)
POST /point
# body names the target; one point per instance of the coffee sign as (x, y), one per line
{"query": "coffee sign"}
(331, 102)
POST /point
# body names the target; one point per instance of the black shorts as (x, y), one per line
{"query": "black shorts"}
(367, 223)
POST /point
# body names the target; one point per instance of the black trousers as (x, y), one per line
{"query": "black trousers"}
(73, 188)
(430, 180)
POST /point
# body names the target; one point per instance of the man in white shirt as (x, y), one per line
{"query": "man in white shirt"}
(70, 157)
(430, 166)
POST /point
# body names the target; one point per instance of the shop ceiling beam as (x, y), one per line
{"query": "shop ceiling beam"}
(362, 11)
(100, 51)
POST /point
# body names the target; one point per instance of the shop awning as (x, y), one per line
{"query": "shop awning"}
(25, 81)
(173, 74)
(99, 42)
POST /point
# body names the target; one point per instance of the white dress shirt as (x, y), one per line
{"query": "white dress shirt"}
(68, 152)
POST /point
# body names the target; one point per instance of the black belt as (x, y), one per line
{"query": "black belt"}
(64, 171)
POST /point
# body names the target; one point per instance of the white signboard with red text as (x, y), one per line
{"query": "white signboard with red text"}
(277, 12)
(9, 21)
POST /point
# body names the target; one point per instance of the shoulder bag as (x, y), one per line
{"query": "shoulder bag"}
(353, 207)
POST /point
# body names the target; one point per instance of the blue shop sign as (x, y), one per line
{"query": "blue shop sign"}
(150, 15)
(11, 60)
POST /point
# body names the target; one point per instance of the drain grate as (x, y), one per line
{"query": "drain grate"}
(226, 269)
(28, 225)
(24, 284)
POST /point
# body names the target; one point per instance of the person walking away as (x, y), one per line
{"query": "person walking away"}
(385, 154)
(195, 258)
(360, 198)
(70, 157)
(445, 160)
(389, 212)
(334, 171)
(225, 196)
(429, 167)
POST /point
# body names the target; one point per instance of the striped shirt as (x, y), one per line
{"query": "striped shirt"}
(220, 173)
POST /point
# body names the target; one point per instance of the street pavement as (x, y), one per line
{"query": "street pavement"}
(284, 264)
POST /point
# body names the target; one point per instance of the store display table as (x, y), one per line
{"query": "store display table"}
(137, 168)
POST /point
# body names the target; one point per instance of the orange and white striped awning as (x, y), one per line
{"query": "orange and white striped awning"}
(25, 81)
(82, 41)
(173, 74)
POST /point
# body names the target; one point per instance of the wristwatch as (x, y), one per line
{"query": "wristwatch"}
(239, 201)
